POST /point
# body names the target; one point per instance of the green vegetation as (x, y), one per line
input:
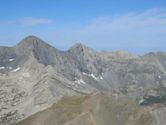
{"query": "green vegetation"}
(154, 99)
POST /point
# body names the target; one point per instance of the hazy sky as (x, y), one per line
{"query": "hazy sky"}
(134, 25)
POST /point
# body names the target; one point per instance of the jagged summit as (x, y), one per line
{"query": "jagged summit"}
(81, 48)
(32, 37)
(33, 47)
(31, 41)
(79, 44)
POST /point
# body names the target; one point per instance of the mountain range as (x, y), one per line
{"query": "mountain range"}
(41, 85)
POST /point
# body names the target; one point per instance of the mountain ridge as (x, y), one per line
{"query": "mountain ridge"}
(34, 75)
(35, 38)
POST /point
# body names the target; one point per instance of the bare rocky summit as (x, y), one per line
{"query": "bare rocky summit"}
(34, 76)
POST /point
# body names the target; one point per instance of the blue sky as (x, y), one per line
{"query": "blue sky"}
(137, 26)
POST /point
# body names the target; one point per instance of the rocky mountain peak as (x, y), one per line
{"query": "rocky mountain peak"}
(31, 42)
(31, 37)
(34, 47)
(82, 50)
(79, 46)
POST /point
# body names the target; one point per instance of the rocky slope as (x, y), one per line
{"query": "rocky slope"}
(95, 109)
(34, 75)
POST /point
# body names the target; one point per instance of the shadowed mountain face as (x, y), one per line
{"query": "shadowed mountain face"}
(34, 75)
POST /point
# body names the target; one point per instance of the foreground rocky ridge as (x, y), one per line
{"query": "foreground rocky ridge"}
(35, 75)
(94, 109)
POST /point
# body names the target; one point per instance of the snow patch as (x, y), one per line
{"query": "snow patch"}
(80, 81)
(141, 101)
(15, 70)
(2, 67)
(93, 76)
(11, 60)
(101, 77)
(85, 73)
